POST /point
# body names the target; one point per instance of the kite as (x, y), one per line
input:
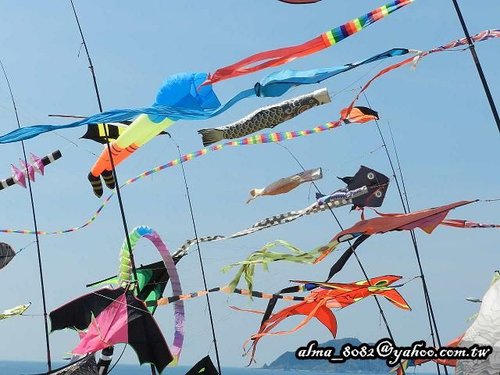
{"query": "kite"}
(282, 56)
(266, 117)
(204, 366)
(368, 188)
(125, 277)
(484, 331)
(375, 182)
(19, 176)
(15, 311)
(284, 185)
(113, 316)
(427, 220)
(6, 254)
(325, 297)
(264, 256)
(279, 82)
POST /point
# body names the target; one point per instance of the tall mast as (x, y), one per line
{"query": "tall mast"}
(477, 63)
(35, 225)
(113, 170)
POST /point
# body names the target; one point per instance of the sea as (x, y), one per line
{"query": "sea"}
(30, 368)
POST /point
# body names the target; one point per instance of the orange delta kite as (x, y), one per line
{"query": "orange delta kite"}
(326, 296)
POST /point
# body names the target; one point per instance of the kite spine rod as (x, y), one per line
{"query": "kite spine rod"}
(205, 285)
(381, 310)
(477, 63)
(35, 225)
(406, 208)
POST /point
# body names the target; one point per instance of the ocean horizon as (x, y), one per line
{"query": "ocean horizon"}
(31, 368)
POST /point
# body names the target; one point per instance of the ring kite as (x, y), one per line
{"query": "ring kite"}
(125, 277)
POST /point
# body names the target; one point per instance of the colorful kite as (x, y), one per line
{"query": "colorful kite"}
(266, 117)
(282, 56)
(7, 253)
(376, 183)
(113, 316)
(286, 184)
(15, 311)
(264, 256)
(326, 296)
(19, 176)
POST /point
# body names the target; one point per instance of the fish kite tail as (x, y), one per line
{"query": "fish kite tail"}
(209, 136)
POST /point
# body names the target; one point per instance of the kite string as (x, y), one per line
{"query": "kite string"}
(199, 254)
(35, 225)
(406, 208)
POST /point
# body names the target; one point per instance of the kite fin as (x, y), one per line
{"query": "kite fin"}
(210, 136)
(96, 184)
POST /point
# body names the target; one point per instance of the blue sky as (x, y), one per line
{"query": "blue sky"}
(445, 134)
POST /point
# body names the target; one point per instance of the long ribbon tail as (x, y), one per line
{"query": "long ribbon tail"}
(282, 56)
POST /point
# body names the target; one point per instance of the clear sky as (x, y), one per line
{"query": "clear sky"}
(444, 131)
